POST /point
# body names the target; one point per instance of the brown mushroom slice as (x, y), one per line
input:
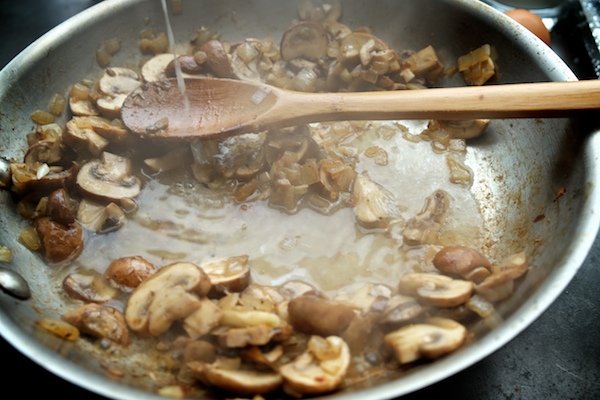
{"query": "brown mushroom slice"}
(100, 218)
(154, 69)
(307, 39)
(217, 59)
(228, 274)
(424, 228)
(44, 152)
(109, 178)
(129, 272)
(319, 316)
(374, 206)
(401, 309)
(114, 86)
(432, 339)
(463, 261)
(258, 335)
(118, 80)
(105, 128)
(356, 43)
(245, 61)
(168, 295)
(27, 179)
(99, 321)
(202, 320)
(89, 288)
(80, 101)
(321, 369)
(436, 290)
(59, 242)
(84, 140)
(240, 381)
(110, 107)
(499, 285)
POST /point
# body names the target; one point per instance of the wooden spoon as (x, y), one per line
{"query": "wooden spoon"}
(225, 107)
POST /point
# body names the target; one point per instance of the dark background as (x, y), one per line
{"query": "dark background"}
(557, 357)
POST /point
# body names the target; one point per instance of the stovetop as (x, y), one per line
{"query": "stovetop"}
(557, 357)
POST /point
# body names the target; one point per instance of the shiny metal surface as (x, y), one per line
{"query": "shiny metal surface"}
(535, 158)
(14, 284)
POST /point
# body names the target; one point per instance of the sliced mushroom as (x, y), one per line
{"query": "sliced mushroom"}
(80, 101)
(110, 131)
(59, 242)
(99, 321)
(100, 218)
(228, 275)
(28, 179)
(114, 86)
(374, 206)
(44, 152)
(258, 335)
(129, 272)
(109, 178)
(154, 69)
(306, 39)
(436, 290)
(319, 316)
(434, 338)
(465, 129)
(321, 369)
(168, 295)
(84, 140)
(114, 81)
(463, 261)
(240, 381)
(401, 309)
(89, 288)
(203, 320)
(424, 228)
(499, 285)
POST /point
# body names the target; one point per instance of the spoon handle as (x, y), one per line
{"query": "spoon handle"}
(522, 100)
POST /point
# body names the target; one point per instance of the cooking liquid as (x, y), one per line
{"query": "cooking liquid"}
(179, 219)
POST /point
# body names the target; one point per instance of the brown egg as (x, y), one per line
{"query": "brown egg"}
(532, 22)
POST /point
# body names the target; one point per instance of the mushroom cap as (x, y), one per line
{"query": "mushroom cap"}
(99, 321)
(108, 179)
(319, 316)
(217, 59)
(228, 274)
(129, 271)
(168, 295)
(436, 290)
(244, 382)
(460, 260)
(321, 368)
